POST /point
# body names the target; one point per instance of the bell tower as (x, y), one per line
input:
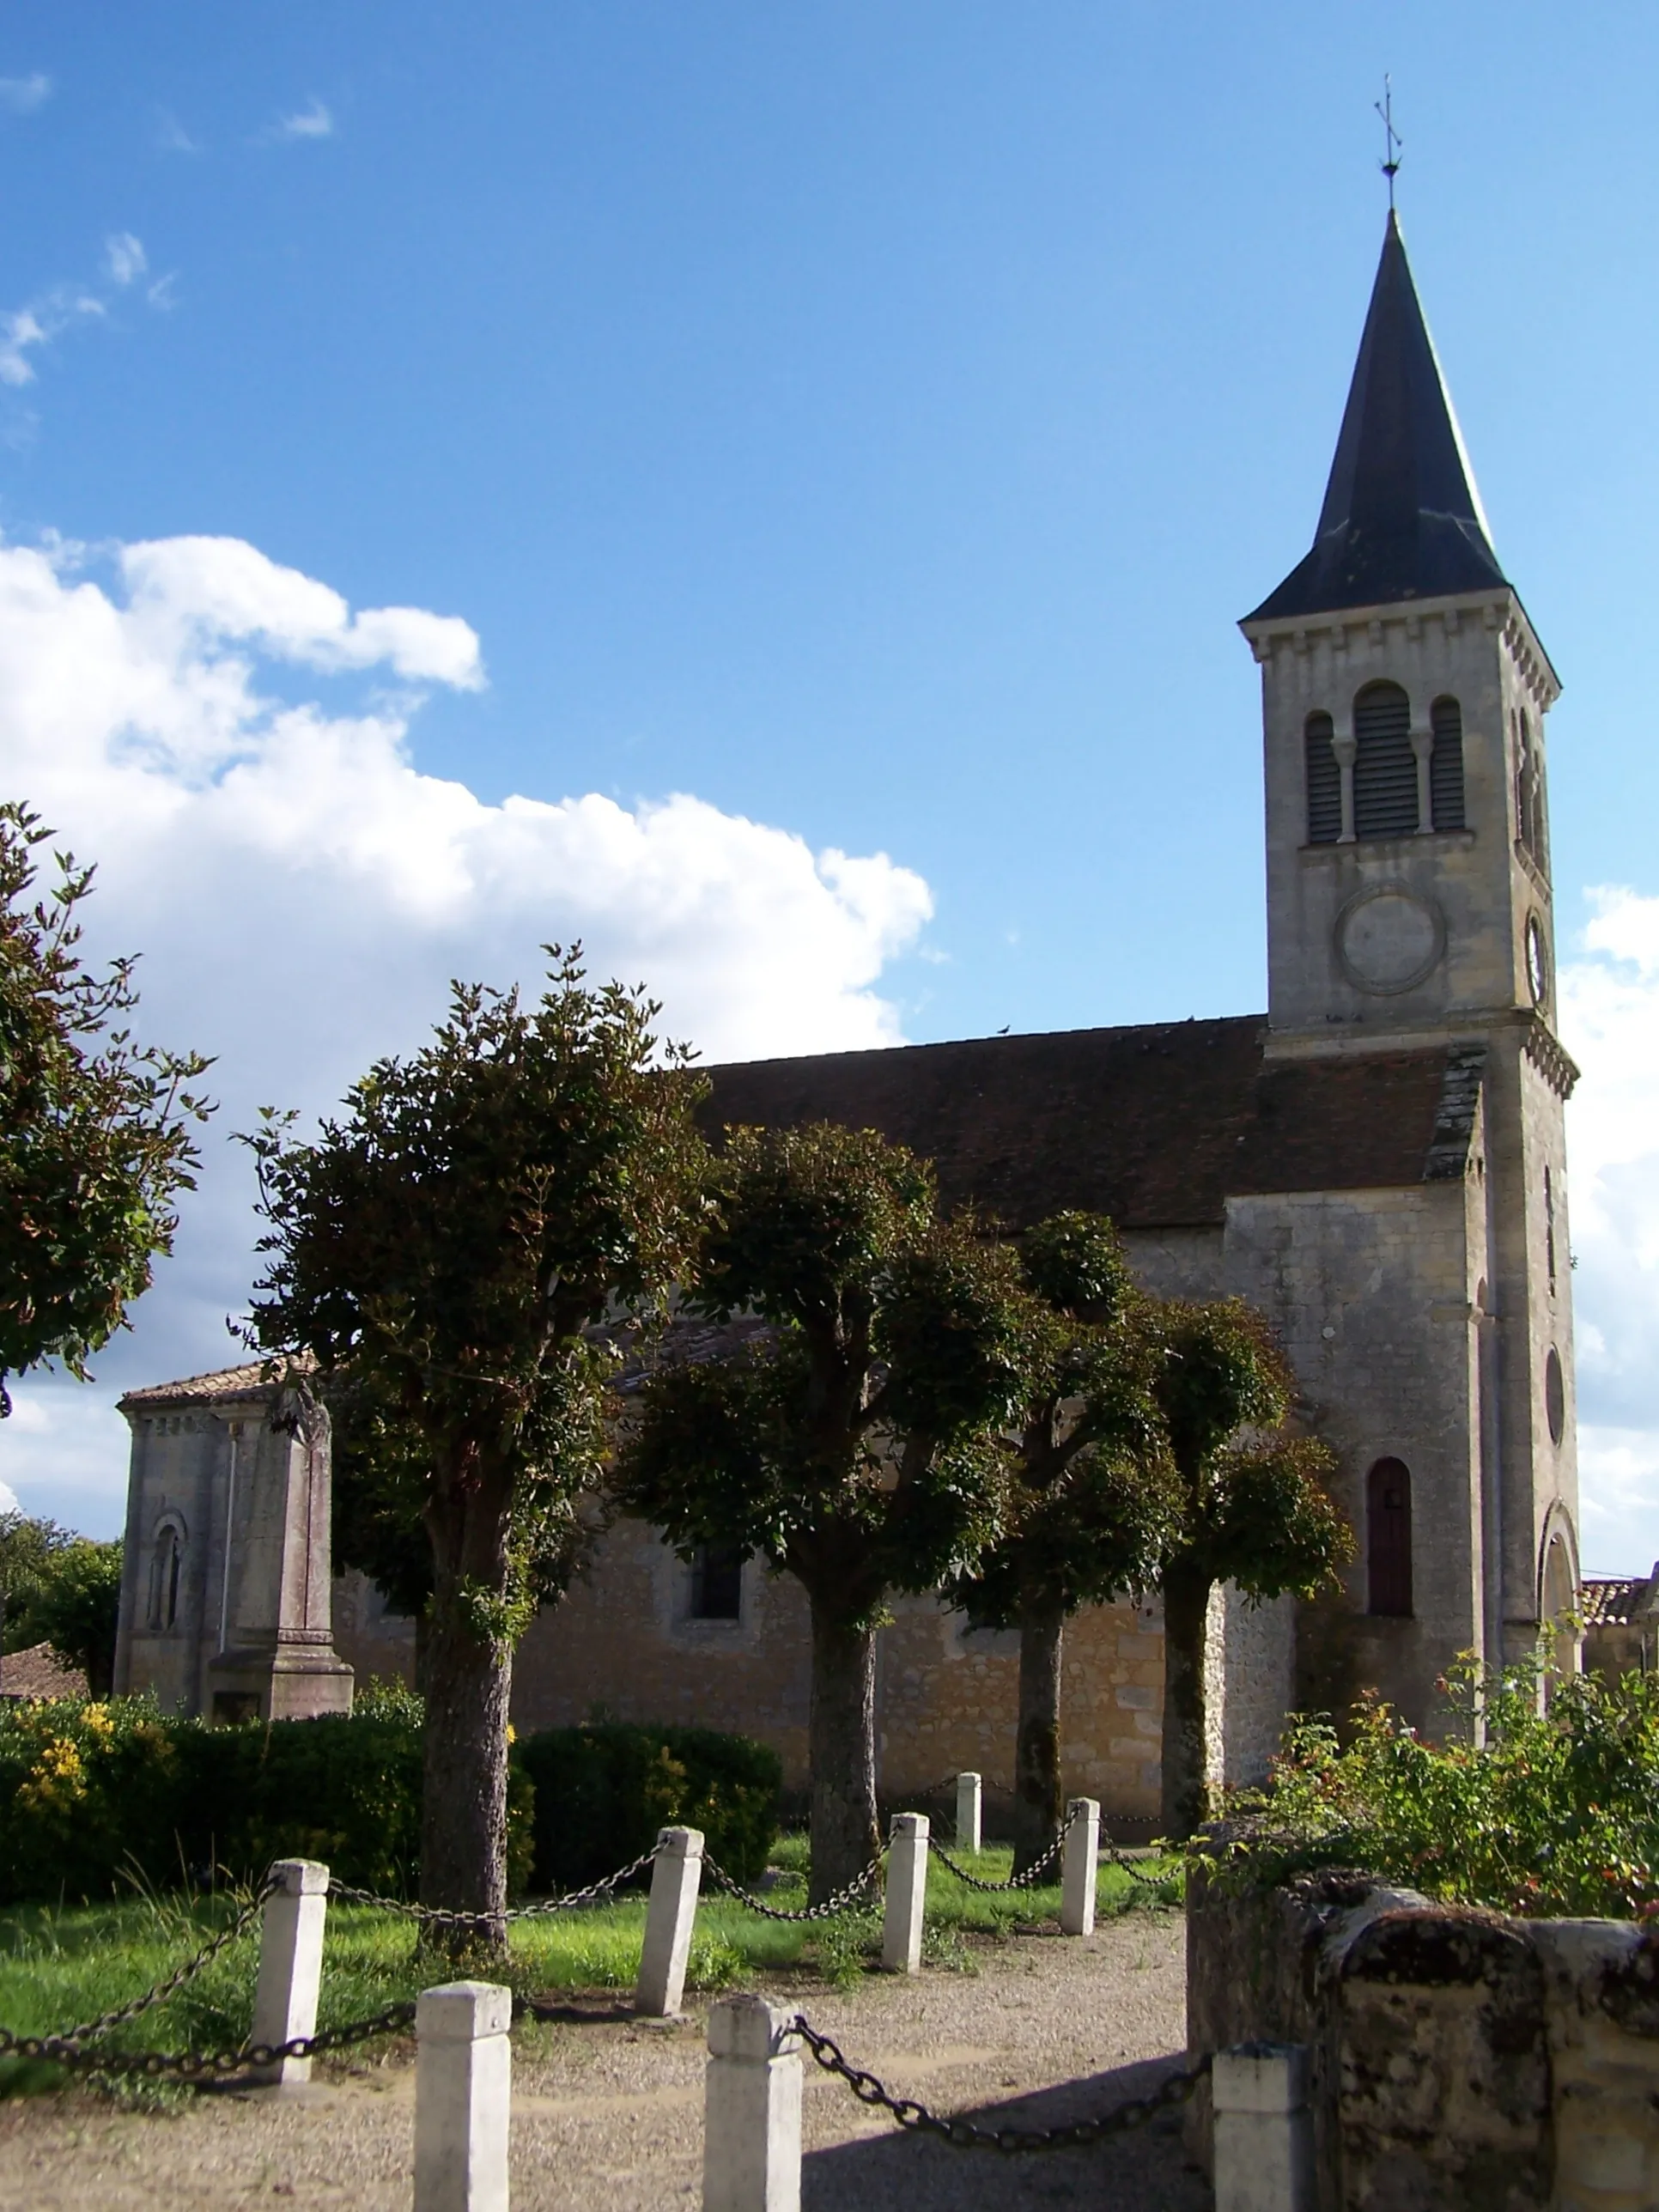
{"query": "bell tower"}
(1405, 694)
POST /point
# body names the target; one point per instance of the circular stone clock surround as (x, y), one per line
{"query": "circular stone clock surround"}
(1390, 939)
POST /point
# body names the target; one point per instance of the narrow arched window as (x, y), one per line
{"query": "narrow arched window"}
(1324, 781)
(1388, 1538)
(1384, 765)
(165, 1567)
(1523, 780)
(1446, 765)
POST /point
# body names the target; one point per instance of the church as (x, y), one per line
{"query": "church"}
(1377, 1163)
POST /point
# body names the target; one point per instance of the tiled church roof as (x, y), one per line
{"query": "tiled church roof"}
(222, 1387)
(1157, 1126)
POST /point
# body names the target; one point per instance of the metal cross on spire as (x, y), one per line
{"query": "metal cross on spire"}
(1392, 141)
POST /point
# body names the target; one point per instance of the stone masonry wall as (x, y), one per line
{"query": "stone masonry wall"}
(623, 1645)
(1460, 2061)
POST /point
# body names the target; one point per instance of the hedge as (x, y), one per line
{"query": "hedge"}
(603, 1791)
(95, 1796)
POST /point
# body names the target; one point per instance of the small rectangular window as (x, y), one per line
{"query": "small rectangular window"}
(717, 1583)
(1388, 1532)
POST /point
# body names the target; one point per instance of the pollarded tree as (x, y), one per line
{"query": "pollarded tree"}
(1091, 1504)
(95, 1129)
(453, 1243)
(1254, 1509)
(853, 1444)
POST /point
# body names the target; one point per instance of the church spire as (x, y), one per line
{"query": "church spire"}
(1402, 519)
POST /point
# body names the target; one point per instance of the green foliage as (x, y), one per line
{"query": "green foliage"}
(93, 1794)
(75, 1607)
(452, 1243)
(854, 1445)
(28, 1547)
(603, 1791)
(95, 1129)
(1091, 1504)
(1557, 1812)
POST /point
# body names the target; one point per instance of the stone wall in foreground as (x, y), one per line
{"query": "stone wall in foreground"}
(1460, 2061)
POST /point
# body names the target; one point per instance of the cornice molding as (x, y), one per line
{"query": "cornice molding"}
(1494, 610)
(1550, 1057)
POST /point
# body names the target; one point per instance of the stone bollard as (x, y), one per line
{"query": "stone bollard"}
(1079, 1863)
(676, 1877)
(290, 1965)
(1263, 2129)
(969, 1801)
(906, 1893)
(463, 2097)
(751, 2108)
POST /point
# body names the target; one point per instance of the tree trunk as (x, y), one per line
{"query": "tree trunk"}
(842, 1749)
(1185, 1610)
(1037, 1806)
(469, 1679)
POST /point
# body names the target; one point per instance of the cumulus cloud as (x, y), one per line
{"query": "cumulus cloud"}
(301, 892)
(124, 258)
(22, 329)
(21, 95)
(313, 120)
(1610, 1021)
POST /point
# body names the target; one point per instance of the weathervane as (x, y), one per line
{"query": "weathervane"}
(1392, 141)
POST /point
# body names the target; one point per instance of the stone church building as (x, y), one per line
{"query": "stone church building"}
(1377, 1163)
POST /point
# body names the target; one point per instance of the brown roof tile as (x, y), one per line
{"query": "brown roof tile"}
(224, 1386)
(38, 1671)
(1157, 1126)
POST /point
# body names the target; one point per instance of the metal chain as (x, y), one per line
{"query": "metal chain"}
(119, 2015)
(198, 2065)
(443, 1915)
(839, 1900)
(1174, 2089)
(1032, 1875)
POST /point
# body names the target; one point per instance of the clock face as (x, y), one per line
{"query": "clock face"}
(1538, 966)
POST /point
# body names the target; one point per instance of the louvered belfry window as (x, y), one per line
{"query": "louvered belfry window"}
(1446, 763)
(1324, 782)
(1388, 1538)
(1385, 767)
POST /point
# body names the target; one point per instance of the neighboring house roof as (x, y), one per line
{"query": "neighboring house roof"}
(1402, 519)
(1157, 1126)
(224, 1386)
(1613, 1600)
(38, 1671)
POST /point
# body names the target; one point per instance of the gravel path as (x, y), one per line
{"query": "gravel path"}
(608, 2110)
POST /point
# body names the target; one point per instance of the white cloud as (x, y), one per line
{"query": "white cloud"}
(314, 120)
(124, 258)
(301, 893)
(1610, 1022)
(171, 136)
(21, 95)
(8, 1499)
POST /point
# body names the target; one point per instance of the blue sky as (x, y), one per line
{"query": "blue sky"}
(867, 421)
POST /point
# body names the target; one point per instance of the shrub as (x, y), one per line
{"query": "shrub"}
(603, 1791)
(92, 1795)
(1555, 1813)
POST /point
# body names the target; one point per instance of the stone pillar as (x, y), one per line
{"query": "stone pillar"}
(1423, 746)
(290, 1965)
(907, 1894)
(751, 2109)
(463, 2097)
(1079, 1862)
(1263, 2129)
(969, 1812)
(676, 1877)
(1345, 746)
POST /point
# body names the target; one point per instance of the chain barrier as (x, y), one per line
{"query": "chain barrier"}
(203, 2065)
(119, 2015)
(447, 1916)
(839, 1900)
(1029, 1879)
(966, 2135)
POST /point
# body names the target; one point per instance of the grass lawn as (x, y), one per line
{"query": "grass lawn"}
(61, 1967)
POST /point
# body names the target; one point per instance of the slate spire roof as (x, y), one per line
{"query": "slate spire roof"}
(1402, 519)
